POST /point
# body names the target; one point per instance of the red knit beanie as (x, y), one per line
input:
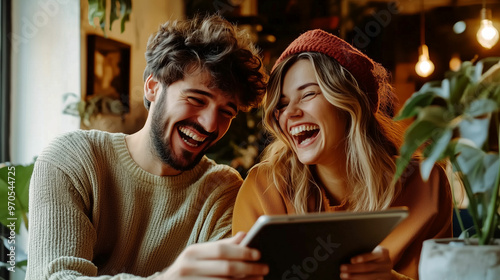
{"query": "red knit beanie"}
(357, 63)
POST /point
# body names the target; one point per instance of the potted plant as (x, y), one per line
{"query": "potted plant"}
(93, 106)
(457, 120)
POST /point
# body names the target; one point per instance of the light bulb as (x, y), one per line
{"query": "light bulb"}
(487, 35)
(459, 27)
(455, 62)
(424, 66)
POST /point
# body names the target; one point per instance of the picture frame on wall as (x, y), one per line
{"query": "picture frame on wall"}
(108, 70)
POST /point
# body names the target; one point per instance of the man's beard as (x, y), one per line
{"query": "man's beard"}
(162, 148)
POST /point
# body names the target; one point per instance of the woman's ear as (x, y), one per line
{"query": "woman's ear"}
(151, 88)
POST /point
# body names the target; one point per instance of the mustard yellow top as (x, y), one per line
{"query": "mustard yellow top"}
(429, 203)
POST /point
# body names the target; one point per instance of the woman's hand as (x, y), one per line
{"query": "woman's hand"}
(223, 259)
(376, 265)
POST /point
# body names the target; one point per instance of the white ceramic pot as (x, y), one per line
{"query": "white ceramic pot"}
(452, 259)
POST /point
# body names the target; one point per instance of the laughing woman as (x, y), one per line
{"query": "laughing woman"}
(334, 146)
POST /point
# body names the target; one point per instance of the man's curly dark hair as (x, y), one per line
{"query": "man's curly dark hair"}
(210, 43)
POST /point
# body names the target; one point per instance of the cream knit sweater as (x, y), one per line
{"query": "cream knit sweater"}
(94, 211)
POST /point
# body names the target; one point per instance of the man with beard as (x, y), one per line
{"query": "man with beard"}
(150, 204)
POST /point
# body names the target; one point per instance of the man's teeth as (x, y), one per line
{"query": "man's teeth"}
(299, 129)
(190, 134)
(189, 143)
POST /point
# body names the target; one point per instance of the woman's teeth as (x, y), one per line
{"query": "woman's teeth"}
(300, 129)
(304, 133)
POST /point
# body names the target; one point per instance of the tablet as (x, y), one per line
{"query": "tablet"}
(312, 246)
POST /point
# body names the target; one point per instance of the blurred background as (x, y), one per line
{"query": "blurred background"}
(67, 64)
(63, 68)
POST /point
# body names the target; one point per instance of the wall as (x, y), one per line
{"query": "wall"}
(49, 59)
(45, 65)
(145, 19)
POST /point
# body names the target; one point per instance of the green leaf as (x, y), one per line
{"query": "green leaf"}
(478, 168)
(97, 9)
(414, 103)
(437, 115)
(481, 207)
(14, 188)
(113, 15)
(430, 123)
(436, 151)
(445, 89)
(481, 107)
(475, 129)
(458, 85)
(430, 85)
(125, 10)
(478, 71)
(124, 13)
(491, 162)
(418, 133)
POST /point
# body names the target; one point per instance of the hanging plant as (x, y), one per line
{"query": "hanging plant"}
(120, 10)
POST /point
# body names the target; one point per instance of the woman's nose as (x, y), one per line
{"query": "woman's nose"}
(292, 110)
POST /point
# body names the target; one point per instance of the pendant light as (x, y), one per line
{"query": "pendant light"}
(487, 35)
(424, 66)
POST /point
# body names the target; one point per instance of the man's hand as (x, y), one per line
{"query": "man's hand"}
(223, 259)
(375, 265)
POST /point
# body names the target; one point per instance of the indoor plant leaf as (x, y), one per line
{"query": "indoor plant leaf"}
(431, 121)
(458, 85)
(477, 165)
(419, 132)
(125, 11)
(15, 179)
(491, 162)
(97, 9)
(475, 129)
(436, 151)
(416, 101)
(481, 107)
(445, 89)
(113, 14)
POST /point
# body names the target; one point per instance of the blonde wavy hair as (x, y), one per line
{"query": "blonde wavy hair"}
(372, 139)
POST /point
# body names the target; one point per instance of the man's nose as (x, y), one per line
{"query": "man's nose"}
(208, 119)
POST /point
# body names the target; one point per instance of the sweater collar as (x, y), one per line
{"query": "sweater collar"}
(183, 179)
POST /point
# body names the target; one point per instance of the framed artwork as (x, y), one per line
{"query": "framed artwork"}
(108, 70)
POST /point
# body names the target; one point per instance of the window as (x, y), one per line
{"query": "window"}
(5, 27)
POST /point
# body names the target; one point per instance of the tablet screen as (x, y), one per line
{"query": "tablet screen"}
(312, 246)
